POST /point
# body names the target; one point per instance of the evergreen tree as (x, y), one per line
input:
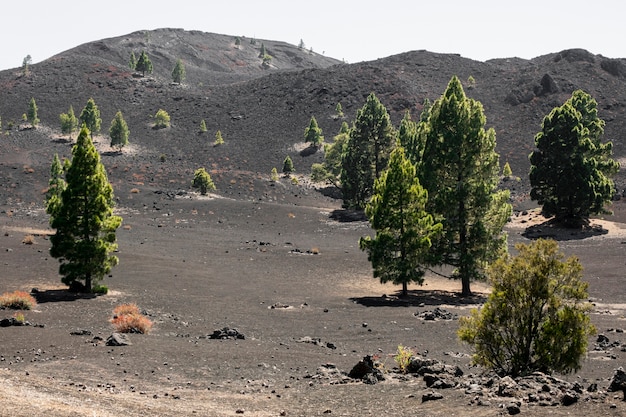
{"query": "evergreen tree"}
(90, 117)
(26, 62)
(119, 131)
(219, 140)
(333, 154)
(56, 186)
(372, 138)
(263, 51)
(536, 317)
(132, 62)
(571, 169)
(409, 138)
(403, 228)
(238, 42)
(288, 166)
(274, 174)
(506, 170)
(202, 126)
(203, 181)
(313, 133)
(162, 119)
(144, 65)
(69, 122)
(84, 221)
(178, 73)
(339, 110)
(31, 116)
(460, 170)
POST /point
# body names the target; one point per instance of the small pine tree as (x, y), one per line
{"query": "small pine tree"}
(263, 51)
(219, 140)
(288, 166)
(90, 117)
(178, 73)
(69, 122)
(301, 45)
(506, 170)
(144, 65)
(119, 131)
(56, 186)
(161, 119)
(339, 111)
(202, 126)
(274, 174)
(536, 317)
(203, 181)
(313, 134)
(26, 64)
(32, 113)
(132, 62)
(237, 42)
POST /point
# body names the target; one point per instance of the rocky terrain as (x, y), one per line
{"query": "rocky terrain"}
(261, 300)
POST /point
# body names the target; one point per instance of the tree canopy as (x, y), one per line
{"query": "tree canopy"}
(202, 180)
(313, 133)
(90, 117)
(536, 317)
(119, 131)
(571, 169)
(460, 170)
(83, 219)
(31, 116)
(404, 230)
(69, 122)
(178, 73)
(144, 65)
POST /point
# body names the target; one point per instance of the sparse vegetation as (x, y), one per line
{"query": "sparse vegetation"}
(403, 358)
(119, 131)
(161, 119)
(203, 181)
(202, 126)
(144, 65)
(17, 300)
(29, 240)
(313, 134)
(288, 167)
(219, 140)
(69, 122)
(506, 170)
(90, 117)
(178, 73)
(274, 174)
(127, 318)
(32, 117)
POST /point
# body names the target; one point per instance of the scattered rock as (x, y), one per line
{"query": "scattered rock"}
(118, 339)
(431, 396)
(226, 333)
(367, 371)
(436, 314)
(618, 382)
(81, 332)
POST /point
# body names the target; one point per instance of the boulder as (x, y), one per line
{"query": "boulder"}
(118, 339)
(618, 382)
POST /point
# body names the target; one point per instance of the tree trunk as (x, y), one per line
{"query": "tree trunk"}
(405, 290)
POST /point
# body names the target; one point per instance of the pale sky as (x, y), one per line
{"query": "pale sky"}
(351, 30)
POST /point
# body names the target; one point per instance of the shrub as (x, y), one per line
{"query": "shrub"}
(100, 289)
(20, 318)
(403, 358)
(28, 240)
(17, 300)
(274, 174)
(536, 317)
(128, 319)
(161, 119)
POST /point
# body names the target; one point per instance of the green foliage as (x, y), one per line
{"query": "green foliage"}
(263, 51)
(460, 170)
(179, 73)
(69, 122)
(313, 134)
(403, 358)
(203, 181)
(56, 186)
(119, 131)
(84, 221)
(219, 140)
(318, 173)
(144, 65)
(365, 156)
(403, 228)
(536, 317)
(132, 62)
(26, 62)
(506, 170)
(274, 175)
(31, 116)
(90, 117)
(237, 42)
(162, 157)
(471, 82)
(339, 110)
(288, 167)
(571, 169)
(333, 153)
(410, 139)
(202, 126)
(161, 119)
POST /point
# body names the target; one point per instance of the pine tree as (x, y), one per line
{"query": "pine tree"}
(84, 221)
(506, 170)
(536, 317)
(219, 140)
(404, 229)
(313, 134)
(339, 110)
(178, 73)
(56, 186)
(119, 131)
(372, 138)
(460, 170)
(203, 181)
(90, 117)
(333, 153)
(162, 119)
(32, 113)
(237, 42)
(571, 169)
(144, 65)
(202, 126)
(409, 138)
(69, 122)
(132, 62)
(288, 166)
(263, 51)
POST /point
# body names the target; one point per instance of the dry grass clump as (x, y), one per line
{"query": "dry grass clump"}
(17, 300)
(128, 319)
(29, 240)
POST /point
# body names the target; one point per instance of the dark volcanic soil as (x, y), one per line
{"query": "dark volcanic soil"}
(279, 262)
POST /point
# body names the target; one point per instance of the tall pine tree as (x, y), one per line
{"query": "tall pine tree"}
(372, 138)
(399, 251)
(460, 169)
(84, 221)
(90, 117)
(571, 169)
(118, 132)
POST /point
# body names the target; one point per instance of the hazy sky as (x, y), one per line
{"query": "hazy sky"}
(344, 29)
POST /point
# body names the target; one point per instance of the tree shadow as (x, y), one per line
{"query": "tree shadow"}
(348, 216)
(330, 191)
(60, 295)
(551, 229)
(309, 150)
(417, 298)
(112, 153)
